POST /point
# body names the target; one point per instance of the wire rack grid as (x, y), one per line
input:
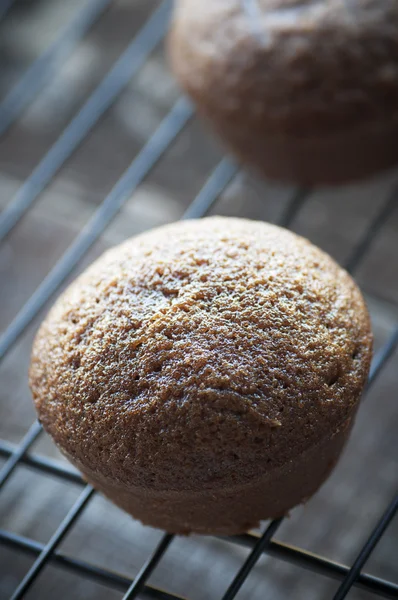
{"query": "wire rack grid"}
(171, 126)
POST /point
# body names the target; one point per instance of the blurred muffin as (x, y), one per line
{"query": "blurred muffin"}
(304, 91)
(204, 375)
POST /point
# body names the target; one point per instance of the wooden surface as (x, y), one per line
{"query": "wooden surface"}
(334, 523)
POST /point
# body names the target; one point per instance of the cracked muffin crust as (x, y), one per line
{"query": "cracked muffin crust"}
(204, 375)
(302, 90)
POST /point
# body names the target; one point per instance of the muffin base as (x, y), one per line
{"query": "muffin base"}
(331, 159)
(231, 510)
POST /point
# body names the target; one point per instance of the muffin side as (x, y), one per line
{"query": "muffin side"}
(230, 510)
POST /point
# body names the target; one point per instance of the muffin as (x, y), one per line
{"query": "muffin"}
(304, 91)
(205, 375)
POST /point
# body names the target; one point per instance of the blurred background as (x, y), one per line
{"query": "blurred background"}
(54, 55)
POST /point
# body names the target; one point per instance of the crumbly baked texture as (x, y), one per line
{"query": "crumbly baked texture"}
(303, 90)
(204, 375)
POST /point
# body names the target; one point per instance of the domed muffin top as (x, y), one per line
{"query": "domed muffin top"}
(300, 67)
(201, 354)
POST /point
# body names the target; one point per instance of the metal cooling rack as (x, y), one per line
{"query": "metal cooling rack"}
(100, 100)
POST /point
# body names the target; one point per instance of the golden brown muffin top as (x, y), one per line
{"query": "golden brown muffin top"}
(201, 354)
(299, 67)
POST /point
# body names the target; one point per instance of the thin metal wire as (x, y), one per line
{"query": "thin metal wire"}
(367, 550)
(97, 104)
(42, 464)
(19, 452)
(318, 564)
(251, 560)
(293, 207)
(167, 131)
(54, 542)
(359, 251)
(43, 69)
(382, 356)
(150, 565)
(290, 554)
(222, 175)
(79, 567)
